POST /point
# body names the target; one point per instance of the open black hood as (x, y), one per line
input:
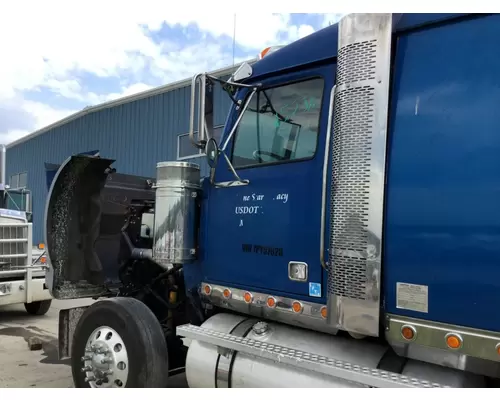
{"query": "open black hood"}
(87, 207)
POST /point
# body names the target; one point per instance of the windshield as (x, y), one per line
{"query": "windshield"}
(280, 124)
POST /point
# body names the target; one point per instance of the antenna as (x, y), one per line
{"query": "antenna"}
(234, 37)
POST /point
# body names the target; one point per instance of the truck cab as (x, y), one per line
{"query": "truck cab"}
(22, 268)
(347, 228)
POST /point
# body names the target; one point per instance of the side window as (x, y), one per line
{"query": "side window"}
(19, 181)
(23, 180)
(186, 150)
(184, 147)
(280, 124)
(14, 181)
(217, 133)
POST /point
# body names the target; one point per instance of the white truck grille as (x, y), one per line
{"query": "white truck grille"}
(15, 245)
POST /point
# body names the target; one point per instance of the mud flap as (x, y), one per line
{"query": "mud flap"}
(87, 207)
(68, 319)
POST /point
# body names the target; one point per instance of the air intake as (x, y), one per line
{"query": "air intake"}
(176, 212)
(358, 162)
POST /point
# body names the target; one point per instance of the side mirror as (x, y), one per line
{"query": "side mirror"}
(205, 110)
(212, 152)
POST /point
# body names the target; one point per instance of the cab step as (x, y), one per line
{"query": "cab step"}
(300, 359)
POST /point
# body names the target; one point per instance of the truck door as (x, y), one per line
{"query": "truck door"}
(255, 231)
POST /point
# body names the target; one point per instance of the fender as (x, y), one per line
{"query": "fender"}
(87, 208)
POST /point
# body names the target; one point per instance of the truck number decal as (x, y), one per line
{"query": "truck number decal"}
(263, 250)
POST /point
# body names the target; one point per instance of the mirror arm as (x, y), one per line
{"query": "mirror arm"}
(233, 170)
(231, 82)
(240, 116)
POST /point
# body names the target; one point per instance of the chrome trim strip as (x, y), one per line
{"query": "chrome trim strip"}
(358, 172)
(325, 173)
(475, 343)
(315, 363)
(309, 318)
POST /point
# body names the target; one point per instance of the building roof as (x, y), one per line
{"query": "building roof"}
(123, 100)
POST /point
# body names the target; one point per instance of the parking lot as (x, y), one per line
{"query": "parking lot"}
(22, 368)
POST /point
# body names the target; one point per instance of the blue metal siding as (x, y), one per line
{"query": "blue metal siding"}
(136, 134)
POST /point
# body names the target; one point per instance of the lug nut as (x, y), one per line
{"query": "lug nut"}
(89, 378)
(106, 360)
(87, 368)
(86, 358)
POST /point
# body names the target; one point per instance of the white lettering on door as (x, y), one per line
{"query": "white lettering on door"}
(254, 197)
(246, 210)
(283, 197)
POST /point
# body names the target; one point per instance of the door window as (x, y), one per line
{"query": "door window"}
(280, 124)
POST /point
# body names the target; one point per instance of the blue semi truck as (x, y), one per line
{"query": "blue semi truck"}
(348, 234)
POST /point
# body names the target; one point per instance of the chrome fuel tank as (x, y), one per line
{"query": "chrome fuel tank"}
(209, 366)
(206, 367)
(176, 212)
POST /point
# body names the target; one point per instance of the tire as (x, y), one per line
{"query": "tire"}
(38, 307)
(132, 324)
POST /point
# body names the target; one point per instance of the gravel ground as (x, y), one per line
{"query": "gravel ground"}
(22, 368)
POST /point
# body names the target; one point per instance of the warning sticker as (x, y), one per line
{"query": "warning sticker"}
(412, 297)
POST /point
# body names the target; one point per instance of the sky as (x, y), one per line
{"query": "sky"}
(57, 63)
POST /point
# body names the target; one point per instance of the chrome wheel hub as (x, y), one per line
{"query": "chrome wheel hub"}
(105, 362)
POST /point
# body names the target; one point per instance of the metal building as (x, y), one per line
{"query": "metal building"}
(137, 131)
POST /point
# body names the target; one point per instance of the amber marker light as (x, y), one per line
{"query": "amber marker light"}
(453, 341)
(226, 293)
(271, 302)
(43, 260)
(498, 349)
(323, 312)
(408, 332)
(207, 289)
(248, 297)
(297, 307)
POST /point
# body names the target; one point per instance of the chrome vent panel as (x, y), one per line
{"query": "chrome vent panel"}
(358, 170)
(351, 182)
(357, 62)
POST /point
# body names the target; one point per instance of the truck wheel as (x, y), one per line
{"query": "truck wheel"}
(38, 307)
(119, 342)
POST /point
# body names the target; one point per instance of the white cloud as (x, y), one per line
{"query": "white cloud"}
(45, 114)
(127, 91)
(31, 115)
(50, 50)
